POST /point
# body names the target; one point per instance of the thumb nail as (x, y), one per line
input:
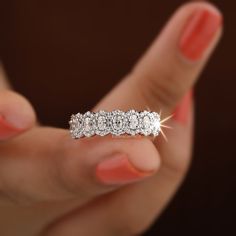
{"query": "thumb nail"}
(119, 170)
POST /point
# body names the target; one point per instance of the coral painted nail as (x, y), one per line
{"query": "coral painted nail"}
(199, 32)
(119, 170)
(6, 129)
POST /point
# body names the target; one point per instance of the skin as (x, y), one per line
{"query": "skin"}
(47, 180)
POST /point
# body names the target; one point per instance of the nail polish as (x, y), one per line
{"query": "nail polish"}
(181, 112)
(119, 170)
(199, 33)
(6, 129)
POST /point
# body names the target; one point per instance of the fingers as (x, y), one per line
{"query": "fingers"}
(160, 80)
(131, 210)
(16, 114)
(53, 166)
(173, 62)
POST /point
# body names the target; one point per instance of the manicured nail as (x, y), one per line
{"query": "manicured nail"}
(119, 170)
(6, 129)
(199, 33)
(181, 112)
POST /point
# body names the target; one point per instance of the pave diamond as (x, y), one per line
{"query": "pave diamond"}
(102, 123)
(133, 122)
(76, 125)
(88, 129)
(156, 125)
(118, 122)
(146, 123)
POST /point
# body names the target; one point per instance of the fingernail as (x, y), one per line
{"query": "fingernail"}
(6, 129)
(199, 33)
(119, 170)
(181, 112)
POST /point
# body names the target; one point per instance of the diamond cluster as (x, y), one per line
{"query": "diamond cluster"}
(116, 123)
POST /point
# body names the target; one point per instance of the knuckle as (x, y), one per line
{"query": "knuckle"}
(15, 195)
(162, 91)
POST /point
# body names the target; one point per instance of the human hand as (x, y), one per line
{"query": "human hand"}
(52, 185)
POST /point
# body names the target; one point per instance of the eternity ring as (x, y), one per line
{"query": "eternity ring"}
(115, 123)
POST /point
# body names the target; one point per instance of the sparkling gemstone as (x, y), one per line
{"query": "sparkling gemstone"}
(118, 122)
(101, 121)
(76, 125)
(146, 123)
(88, 129)
(133, 122)
(156, 124)
(87, 124)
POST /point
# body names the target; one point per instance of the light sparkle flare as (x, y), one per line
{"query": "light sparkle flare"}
(162, 125)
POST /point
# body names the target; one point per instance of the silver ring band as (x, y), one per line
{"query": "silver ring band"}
(115, 123)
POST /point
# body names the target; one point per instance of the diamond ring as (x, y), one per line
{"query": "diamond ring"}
(116, 123)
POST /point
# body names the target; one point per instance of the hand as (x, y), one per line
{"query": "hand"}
(53, 185)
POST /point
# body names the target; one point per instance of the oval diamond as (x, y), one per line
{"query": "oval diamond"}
(146, 123)
(133, 122)
(88, 129)
(102, 123)
(156, 124)
(118, 122)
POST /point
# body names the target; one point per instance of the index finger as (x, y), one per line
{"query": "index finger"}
(172, 64)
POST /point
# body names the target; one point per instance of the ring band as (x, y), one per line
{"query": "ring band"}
(116, 123)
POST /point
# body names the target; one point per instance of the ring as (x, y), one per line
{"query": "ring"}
(116, 123)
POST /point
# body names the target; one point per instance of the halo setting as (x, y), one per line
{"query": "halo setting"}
(116, 123)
